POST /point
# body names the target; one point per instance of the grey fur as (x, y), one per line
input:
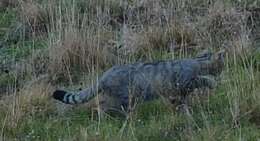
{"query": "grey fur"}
(145, 81)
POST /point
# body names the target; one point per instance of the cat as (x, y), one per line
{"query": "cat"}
(125, 85)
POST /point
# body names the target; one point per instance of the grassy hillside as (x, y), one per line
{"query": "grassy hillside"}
(45, 45)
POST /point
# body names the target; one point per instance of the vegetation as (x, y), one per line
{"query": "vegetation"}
(48, 44)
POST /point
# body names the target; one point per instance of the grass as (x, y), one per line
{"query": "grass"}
(152, 121)
(84, 38)
(6, 19)
(22, 50)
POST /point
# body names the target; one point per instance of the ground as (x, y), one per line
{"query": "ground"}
(45, 45)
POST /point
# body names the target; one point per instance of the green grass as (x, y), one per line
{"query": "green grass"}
(7, 18)
(230, 113)
(22, 50)
(158, 127)
(7, 80)
(152, 121)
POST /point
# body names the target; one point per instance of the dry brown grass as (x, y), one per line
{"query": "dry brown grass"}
(89, 36)
(32, 99)
(144, 42)
(225, 23)
(77, 51)
(8, 3)
(38, 63)
(33, 16)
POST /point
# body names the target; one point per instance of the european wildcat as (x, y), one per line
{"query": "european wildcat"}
(125, 84)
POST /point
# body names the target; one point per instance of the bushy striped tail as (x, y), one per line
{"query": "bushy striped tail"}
(74, 98)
